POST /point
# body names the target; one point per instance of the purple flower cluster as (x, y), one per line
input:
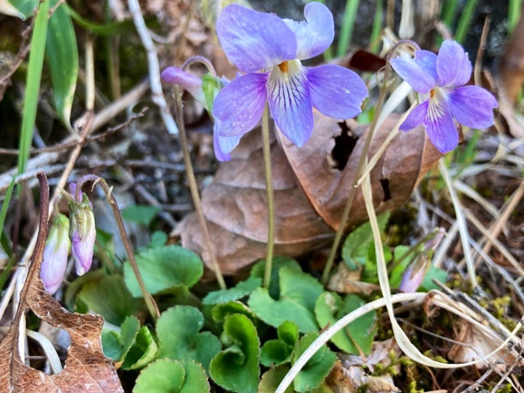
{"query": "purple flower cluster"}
(269, 50)
(77, 233)
(440, 80)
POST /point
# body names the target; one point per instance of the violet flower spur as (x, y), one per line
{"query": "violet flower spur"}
(256, 41)
(439, 80)
(194, 86)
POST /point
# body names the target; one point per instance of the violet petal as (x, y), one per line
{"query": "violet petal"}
(420, 72)
(415, 118)
(240, 104)
(336, 91)
(316, 33)
(223, 145)
(453, 65)
(440, 128)
(254, 40)
(290, 103)
(472, 106)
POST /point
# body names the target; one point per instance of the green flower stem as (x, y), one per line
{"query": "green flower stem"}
(194, 187)
(361, 163)
(270, 201)
(150, 303)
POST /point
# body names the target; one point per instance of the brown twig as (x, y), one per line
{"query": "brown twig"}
(69, 145)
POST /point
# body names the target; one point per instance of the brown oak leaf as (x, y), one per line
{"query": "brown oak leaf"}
(311, 185)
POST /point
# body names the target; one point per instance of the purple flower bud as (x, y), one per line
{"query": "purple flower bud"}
(82, 233)
(55, 254)
(190, 82)
(413, 276)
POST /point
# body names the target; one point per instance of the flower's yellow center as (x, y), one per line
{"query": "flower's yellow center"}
(432, 93)
(283, 66)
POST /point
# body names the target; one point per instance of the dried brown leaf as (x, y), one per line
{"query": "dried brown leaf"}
(475, 344)
(86, 368)
(348, 281)
(310, 193)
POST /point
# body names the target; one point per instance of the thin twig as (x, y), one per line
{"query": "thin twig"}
(67, 144)
(480, 52)
(194, 187)
(154, 67)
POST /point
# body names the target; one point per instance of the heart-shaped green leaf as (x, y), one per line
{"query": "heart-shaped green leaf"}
(242, 289)
(298, 293)
(278, 262)
(109, 297)
(355, 248)
(116, 345)
(236, 368)
(179, 338)
(163, 268)
(168, 376)
(142, 352)
(220, 312)
(272, 378)
(142, 214)
(316, 369)
(355, 338)
(276, 352)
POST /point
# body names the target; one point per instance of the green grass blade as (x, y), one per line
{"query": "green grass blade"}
(34, 75)
(449, 12)
(108, 29)
(465, 20)
(348, 23)
(62, 57)
(515, 8)
(377, 27)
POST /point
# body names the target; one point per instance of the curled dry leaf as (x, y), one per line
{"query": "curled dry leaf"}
(476, 344)
(353, 378)
(348, 281)
(311, 185)
(86, 368)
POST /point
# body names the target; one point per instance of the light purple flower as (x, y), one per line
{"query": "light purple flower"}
(440, 82)
(194, 86)
(55, 254)
(82, 233)
(256, 41)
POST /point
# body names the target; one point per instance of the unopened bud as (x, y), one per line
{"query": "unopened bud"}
(83, 234)
(413, 276)
(191, 83)
(55, 254)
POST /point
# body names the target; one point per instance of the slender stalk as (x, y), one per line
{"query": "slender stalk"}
(150, 303)
(270, 201)
(194, 187)
(361, 163)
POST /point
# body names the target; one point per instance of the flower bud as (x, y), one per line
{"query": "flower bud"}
(55, 254)
(82, 233)
(190, 82)
(413, 276)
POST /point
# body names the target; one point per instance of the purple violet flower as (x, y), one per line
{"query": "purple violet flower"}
(440, 80)
(82, 233)
(256, 41)
(55, 254)
(194, 86)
